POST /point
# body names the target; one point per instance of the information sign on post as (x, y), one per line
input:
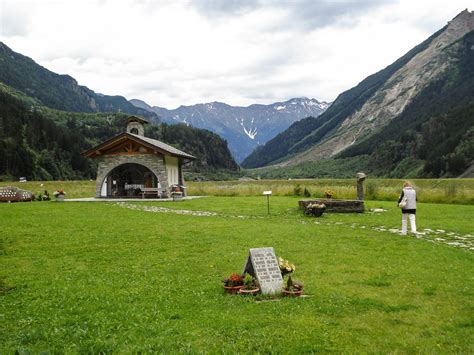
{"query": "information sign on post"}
(267, 193)
(262, 264)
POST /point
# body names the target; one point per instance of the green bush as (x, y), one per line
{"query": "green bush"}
(371, 190)
(297, 190)
(306, 193)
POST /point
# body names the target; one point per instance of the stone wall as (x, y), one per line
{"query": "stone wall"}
(138, 126)
(107, 163)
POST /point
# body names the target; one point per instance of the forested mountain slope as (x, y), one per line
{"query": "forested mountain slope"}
(436, 129)
(412, 118)
(61, 92)
(46, 144)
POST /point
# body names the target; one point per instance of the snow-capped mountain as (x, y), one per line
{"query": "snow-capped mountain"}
(244, 128)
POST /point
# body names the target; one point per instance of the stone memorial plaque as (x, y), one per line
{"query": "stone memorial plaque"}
(263, 265)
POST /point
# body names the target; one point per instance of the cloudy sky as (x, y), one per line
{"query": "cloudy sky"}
(182, 52)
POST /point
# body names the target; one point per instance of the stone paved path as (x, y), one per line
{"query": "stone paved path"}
(157, 209)
(440, 236)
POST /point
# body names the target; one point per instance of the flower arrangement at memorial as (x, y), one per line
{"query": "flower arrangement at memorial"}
(316, 205)
(233, 280)
(291, 287)
(285, 266)
(43, 196)
(250, 285)
(315, 209)
(233, 283)
(59, 193)
(328, 193)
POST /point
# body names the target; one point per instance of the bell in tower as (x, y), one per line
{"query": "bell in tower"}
(136, 125)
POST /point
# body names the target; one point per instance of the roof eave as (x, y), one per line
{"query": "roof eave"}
(96, 151)
(90, 153)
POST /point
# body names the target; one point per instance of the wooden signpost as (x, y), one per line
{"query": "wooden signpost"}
(268, 194)
(262, 264)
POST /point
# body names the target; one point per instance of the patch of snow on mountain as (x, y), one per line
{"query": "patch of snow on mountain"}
(324, 105)
(251, 133)
(279, 108)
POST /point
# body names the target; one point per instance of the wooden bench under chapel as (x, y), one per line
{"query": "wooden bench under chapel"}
(150, 191)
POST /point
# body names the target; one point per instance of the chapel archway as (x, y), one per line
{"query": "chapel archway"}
(127, 180)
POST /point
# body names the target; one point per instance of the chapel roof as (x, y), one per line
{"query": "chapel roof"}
(164, 146)
(136, 119)
(154, 144)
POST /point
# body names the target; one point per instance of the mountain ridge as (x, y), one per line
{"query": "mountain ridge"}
(58, 91)
(378, 101)
(46, 144)
(244, 127)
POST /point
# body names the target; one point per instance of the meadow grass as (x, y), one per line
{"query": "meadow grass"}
(103, 277)
(428, 190)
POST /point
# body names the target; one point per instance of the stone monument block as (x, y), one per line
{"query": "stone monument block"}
(262, 264)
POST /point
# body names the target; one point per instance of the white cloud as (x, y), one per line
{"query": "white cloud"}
(170, 53)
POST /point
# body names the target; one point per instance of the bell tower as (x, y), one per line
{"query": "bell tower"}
(136, 125)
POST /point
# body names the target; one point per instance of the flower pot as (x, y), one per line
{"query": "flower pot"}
(232, 289)
(249, 292)
(59, 198)
(317, 212)
(296, 293)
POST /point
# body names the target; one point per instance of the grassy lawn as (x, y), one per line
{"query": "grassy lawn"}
(90, 277)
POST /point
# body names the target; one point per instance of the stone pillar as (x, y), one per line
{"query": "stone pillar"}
(360, 185)
(181, 175)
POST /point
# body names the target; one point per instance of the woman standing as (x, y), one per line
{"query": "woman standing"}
(409, 210)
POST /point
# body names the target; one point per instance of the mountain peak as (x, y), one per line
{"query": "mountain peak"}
(244, 128)
(464, 16)
(459, 26)
(140, 104)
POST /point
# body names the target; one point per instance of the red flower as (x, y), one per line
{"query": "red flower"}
(233, 280)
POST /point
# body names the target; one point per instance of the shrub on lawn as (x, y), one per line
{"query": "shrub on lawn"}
(297, 190)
